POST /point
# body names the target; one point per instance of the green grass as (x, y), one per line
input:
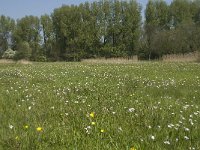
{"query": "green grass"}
(148, 106)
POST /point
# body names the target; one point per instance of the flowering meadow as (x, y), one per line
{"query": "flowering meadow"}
(84, 106)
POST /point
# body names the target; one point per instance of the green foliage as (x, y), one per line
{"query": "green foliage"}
(23, 51)
(99, 29)
(41, 59)
(9, 54)
(48, 35)
(6, 28)
(156, 15)
(180, 10)
(170, 29)
(27, 34)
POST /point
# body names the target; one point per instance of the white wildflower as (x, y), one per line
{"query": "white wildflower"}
(187, 138)
(131, 109)
(11, 126)
(167, 142)
(152, 137)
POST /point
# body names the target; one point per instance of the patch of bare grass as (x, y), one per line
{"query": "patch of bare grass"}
(133, 59)
(6, 61)
(189, 57)
(9, 61)
(24, 62)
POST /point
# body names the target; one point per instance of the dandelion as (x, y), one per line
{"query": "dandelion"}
(93, 123)
(26, 126)
(39, 129)
(17, 138)
(132, 148)
(102, 130)
(92, 114)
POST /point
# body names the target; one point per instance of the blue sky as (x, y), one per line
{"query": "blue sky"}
(20, 8)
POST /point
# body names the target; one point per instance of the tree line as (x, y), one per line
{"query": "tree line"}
(105, 28)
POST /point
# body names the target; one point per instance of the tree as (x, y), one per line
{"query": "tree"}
(180, 10)
(28, 30)
(156, 15)
(7, 26)
(48, 36)
(132, 22)
(23, 51)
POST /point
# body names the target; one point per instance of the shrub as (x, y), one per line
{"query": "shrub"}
(9, 54)
(23, 51)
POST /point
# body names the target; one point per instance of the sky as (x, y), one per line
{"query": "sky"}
(17, 9)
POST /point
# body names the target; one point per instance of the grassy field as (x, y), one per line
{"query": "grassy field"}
(83, 106)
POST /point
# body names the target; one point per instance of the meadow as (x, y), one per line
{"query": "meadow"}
(85, 106)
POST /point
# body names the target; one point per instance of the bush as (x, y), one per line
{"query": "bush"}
(23, 51)
(9, 54)
(41, 59)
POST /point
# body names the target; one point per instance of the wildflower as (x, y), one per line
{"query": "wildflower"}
(11, 126)
(92, 114)
(120, 129)
(170, 125)
(93, 123)
(88, 129)
(187, 129)
(113, 112)
(152, 137)
(132, 148)
(131, 109)
(26, 126)
(39, 129)
(187, 138)
(102, 130)
(167, 142)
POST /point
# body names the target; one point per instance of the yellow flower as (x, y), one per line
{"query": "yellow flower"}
(93, 123)
(102, 130)
(132, 148)
(26, 126)
(92, 114)
(39, 129)
(16, 138)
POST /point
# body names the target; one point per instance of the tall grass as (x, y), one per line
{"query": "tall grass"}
(87, 106)
(132, 59)
(189, 57)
